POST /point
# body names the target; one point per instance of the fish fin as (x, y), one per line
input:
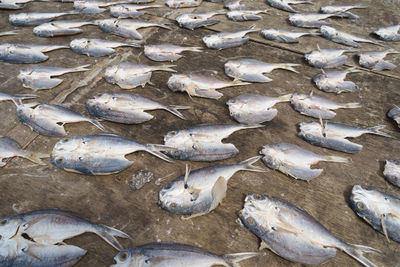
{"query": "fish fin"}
(238, 82)
(253, 29)
(174, 110)
(352, 105)
(187, 173)
(246, 165)
(218, 192)
(36, 157)
(109, 234)
(336, 159)
(194, 49)
(384, 65)
(285, 98)
(134, 44)
(165, 68)
(208, 93)
(156, 151)
(376, 130)
(98, 125)
(81, 68)
(259, 78)
(357, 252)
(384, 226)
(234, 259)
(263, 245)
(164, 26)
(288, 66)
(17, 99)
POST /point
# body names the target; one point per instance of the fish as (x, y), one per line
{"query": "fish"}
(126, 28)
(326, 58)
(16, 99)
(127, 108)
(9, 148)
(333, 135)
(341, 11)
(26, 53)
(49, 119)
(292, 233)
(129, 75)
(235, 5)
(251, 70)
(167, 52)
(223, 40)
(245, 15)
(344, 38)
(374, 60)
(16, 4)
(309, 20)
(333, 81)
(378, 209)
(200, 191)
(203, 142)
(193, 21)
(53, 226)
(317, 106)
(60, 28)
(41, 77)
(100, 154)
(129, 11)
(295, 161)
(389, 34)
(283, 36)
(98, 47)
(95, 7)
(35, 18)
(392, 171)
(285, 4)
(200, 85)
(9, 33)
(183, 3)
(177, 255)
(394, 114)
(254, 109)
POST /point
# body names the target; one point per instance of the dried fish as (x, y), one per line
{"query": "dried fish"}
(224, 40)
(167, 52)
(193, 21)
(60, 28)
(333, 81)
(374, 60)
(98, 47)
(283, 36)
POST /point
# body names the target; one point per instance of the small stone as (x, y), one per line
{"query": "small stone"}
(140, 178)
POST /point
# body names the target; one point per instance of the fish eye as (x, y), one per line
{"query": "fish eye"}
(172, 133)
(4, 222)
(258, 197)
(361, 206)
(123, 256)
(168, 186)
(250, 221)
(60, 160)
(1, 237)
(173, 206)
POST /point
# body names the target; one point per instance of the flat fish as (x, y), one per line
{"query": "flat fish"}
(203, 142)
(295, 161)
(60, 28)
(9, 33)
(95, 7)
(10, 148)
(193, 21)
(309, 20)
(392, 171)
(127, 108)
(225, 40)
(129, 11)
(35, 18)
(183, 3)
(49, 119)
(389, 34)
(98, 47)
(200, 85)
(333, 135)
(235, 5)
(26, 53)
(283, 36)
(100, 154)
(17, 99)
(200, 191)
(167, 52)
(317, 106)
(177, 255)
(129, 75)
(334, 81)
(341, 11)
(41, 77)
(394, 114)
(251, 70)
(374, 60)
(344, 38)
(326, 58)
(292, 233)
(285, 4)
(380, 210)
(254, 109)
(245, 15)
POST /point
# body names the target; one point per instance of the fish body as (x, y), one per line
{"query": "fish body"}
(15, 98)
(26, 53)
(193, 21)
(252, 70)
(389, 34)
(235, 5)
(344, 38)
(128, 11)
(95, 7)
(60, 28)
(295, 161)
(341, 11)
(34, 18)
(14, 4)
(127, 108)
(333, 135)
(394, 114)
(225, 40)
(203, 142)
(309, 20)
(245, 15)
(380, 210)
(97, 47)
(253, 109)
(99, 154)
(283, 36)
(199, 85)
(131, 75)
(334, 81)
(374, 60)
(167, 52)
(392, 171)
(183, 3)
(285, 4)
(41, 77)
(326, 58)
(292, 233)
(8, 33)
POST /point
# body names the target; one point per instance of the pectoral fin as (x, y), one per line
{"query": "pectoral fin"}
(218, 192)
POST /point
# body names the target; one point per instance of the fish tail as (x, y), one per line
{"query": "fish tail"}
(239, 82)
(134, 44)
(220, 12)
(253, 28)
(174, 110)
(156, 151)
(288, 66)
(164, 26)
(357, 252)
(246, 165)
(195, 49)
(285, 98)
(234, 259)
(36, 157)
(98, 125)
(352, 105)
(377, 130)
(336, 159)
(72, 12)
(314, 32)
(165, 68)
(252, 126)
(109, 234)
(80, 68)
(17, 99)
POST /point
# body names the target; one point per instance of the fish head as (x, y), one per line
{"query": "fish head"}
(128, 257)
(176, 197)
(176, 138)
(232, 66)
(178, 82)
(9, 227)
(100, 99)
(26, 112)
(367, 201)
(311, 130)
(4, 49)
(258, 209)
(212, 40)
(69, 144)
(106, 23)
(43, 30)
(109, 74)
(272, 156)
(313, 56)
(78, 44)
(328, 31)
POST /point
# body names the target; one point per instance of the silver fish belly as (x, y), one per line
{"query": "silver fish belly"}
(26, 53)
(283, 36)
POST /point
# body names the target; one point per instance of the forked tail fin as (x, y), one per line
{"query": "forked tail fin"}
(357, 252)
(377, 130)
(109, 234)
(246, 165)
(234, 259)
(36, 157)
(156, 151)
(174, 110)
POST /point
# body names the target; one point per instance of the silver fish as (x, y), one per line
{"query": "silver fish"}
(126, 28)
(295, 161)
(344, 38)
(253, 109)
(93, 6)
(127, 108)
(49, 119)
(389, 34)
(251, 70)
(60, 28)
(17, 99)
(333, 81)
(35, 18)
(380, 210)
(326, 58)
(283, 36)
(309, 20)
(10, 148)
(244, 15)
(235, 5)
(224, 40)
(97, 47)
(203, 142)
(129, 11)
(183, 3)
(131, 75)
(285, 4)
(193, 21)
(100, 154)
(9, 33)
(292, 233)
(16, 4)
(392, 171)
(26, 53)
(200, 85)
(41, 77)
(374, 60)
(341, 11)
(317, 106)
(53, 226)
(394, 114)
(167, 52)
(177, 255)
(333, 135)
